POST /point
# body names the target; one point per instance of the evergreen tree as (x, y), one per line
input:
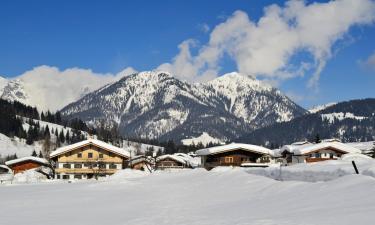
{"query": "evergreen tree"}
(40, 154)
(317, 138)
(61, 136)
(34, 153)
(372, 151)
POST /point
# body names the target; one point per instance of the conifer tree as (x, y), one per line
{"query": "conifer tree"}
(34, 153)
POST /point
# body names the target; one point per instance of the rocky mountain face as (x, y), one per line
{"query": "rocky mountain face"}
(349, 121)
(156, 105)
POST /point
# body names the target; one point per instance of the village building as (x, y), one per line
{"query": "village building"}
(141, 162)
(235, 154)
(26, 163)
(306, 152)
(88, 159)
(171, 162)
(4, 169)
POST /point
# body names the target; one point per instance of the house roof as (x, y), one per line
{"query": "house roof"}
(28, 158)
(232, 147)
(308, 148)
(5, 167)
(109, 147)
(140, 158)
(173, 157)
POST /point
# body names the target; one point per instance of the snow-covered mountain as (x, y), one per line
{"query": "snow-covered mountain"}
(156, 105)
(48, 88)
(318, 108)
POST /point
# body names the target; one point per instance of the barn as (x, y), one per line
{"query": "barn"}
(26, 163)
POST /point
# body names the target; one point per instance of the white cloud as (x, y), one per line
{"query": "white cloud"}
(204, 27)
(50, 88)
(370, 62)
(265, 47)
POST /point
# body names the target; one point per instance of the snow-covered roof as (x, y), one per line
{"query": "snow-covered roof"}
(109, 147)
(5, 167)
(363, 146)
(141, 158)
(308, 148)
(28, 158)
(173, 157)
(232, 147)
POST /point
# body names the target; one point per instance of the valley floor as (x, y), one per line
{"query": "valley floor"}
(220, 197)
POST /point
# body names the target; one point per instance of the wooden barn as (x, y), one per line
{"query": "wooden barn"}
(171, 162)
(26, 163)
(235, 155)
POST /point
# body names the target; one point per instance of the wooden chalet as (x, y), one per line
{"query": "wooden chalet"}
(141, 163)
(309, 152)
(88, 159)
(26, 163)
(235, 155)
(171, 162)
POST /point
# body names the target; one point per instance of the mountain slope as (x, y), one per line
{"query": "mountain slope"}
(156, 105)
(349, 121)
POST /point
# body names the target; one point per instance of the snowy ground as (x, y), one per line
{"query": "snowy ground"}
(221, 196)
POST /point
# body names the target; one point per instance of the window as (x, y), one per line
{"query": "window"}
(102, 166)
(112, 166)
(79, 155)
(58, 177)
(77, 166)
(89, 155)
(77, 176)
(65, 177)
(101, 155)
(317, 155)
(67, 165)
(331, 155)
(228, 159)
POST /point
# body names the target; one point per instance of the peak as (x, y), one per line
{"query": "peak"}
(153, 74)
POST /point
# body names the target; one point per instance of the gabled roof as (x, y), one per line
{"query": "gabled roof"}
(101, 144)
(5, 167)
(232, 147)
(28, 158)
(173, 157)
(309, 148)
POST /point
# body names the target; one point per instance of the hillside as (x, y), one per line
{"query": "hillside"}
(349, 121)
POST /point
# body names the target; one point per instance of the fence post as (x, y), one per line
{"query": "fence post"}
(355, 167)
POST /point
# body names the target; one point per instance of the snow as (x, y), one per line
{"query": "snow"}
(234, 146)
(27, 158)
(173, 157)
(10, 146)
(318, 108)
(341, 116)
(363, 146)
(102, 144)
(204, 138)
(302, 148)
(29, 176)
(321, 171)
(191, 197)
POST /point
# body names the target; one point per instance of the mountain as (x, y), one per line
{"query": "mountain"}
(48, 88)
(318, 108)
(156, 105)
(349, 121)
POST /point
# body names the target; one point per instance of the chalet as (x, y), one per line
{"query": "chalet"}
(141, 162)
(88, 159)
(309, 152)
(171, 162)
(235, 154)
(26, 163)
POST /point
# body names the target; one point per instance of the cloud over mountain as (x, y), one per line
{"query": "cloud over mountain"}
(266, 47)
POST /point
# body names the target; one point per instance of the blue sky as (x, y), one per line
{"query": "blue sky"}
(108, 36)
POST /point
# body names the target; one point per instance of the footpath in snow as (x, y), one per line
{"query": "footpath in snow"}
(221, 196)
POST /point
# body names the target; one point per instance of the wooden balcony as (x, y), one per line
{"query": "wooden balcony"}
(85, 171)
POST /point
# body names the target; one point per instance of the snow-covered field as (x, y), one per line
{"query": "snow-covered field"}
(221, 196)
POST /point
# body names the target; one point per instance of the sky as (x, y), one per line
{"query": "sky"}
(314, 51)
